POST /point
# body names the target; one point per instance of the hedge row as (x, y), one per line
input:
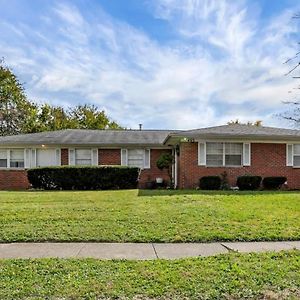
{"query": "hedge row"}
(246, 182)
(83, 178)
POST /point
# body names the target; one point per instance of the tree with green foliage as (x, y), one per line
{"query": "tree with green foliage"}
(15, 110)
(91, 117)
(165, 161)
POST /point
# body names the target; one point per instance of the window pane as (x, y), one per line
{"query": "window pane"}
(83, 157)
(3, 163)
(214, 160)
(3, 158)
(214, 148)
(233, 160)
(297, 149)
(136, 158)
(233, 148)
(297, 161)
(17, 158)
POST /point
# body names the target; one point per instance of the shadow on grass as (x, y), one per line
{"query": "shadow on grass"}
(161, 192)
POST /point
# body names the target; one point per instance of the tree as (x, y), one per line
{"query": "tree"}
(165, 161)
(91, 117)
(237, 121)
(15, 109)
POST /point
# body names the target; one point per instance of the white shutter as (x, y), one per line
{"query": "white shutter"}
(71, 157)
(33, 158)
(147, 159)
(95, 157)
(27, 158)
(201, 154)
(289, 155)
(58, 157)
(246, 154)
(124, 157)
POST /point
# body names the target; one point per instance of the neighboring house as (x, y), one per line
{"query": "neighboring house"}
(236, 149)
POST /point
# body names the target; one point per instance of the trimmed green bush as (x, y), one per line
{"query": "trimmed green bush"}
(274, 182)
(83, 178)
(248, 182)
(210, 183)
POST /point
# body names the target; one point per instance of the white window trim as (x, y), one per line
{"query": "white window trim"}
(123, 151)
(91, 155)
(8, 150)
(224, 154)
(292, 164)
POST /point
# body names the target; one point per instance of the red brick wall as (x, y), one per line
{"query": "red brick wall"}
(153, 172)
(64, 157)
(266, 160)
(113, 157)
(109, 156)
(13, 180)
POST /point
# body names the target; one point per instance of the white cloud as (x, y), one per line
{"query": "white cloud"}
(224, 60)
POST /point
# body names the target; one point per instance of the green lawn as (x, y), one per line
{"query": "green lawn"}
(230, 276)
(149, 216)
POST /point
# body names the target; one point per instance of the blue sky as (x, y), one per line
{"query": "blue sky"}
(164, 63)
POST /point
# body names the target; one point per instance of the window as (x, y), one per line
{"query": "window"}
(296, 155)
(17, 158)
(233, 154)
(83, 157)
(46, 157)
(136, 158)
(224, 154)
(3, 158)
(214, 154)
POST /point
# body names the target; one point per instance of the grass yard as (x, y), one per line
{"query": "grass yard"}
(230, 276)
(149, 216)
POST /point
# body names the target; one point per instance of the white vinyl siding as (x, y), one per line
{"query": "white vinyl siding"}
(136, 158)
(223, 154)
(83, 157)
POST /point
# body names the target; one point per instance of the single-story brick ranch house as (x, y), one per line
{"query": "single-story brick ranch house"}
(237, 149)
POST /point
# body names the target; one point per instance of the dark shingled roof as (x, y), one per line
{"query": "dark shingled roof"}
(89, 137)
(241, 131)
(148, 137)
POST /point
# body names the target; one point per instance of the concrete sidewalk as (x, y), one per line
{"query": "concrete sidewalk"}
(136, 251)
